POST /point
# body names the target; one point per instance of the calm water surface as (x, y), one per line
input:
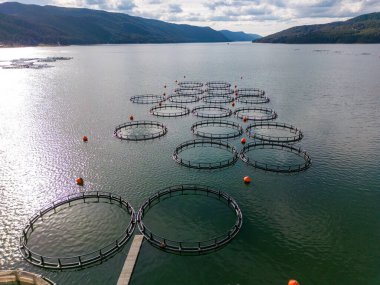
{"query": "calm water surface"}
(319, 227)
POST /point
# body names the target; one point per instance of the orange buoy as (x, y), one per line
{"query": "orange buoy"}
(79, 181)
(245, 119)
(293, 282)
(131, 117)
(247, 179)
(85, 138)
(233, 104)
(243, 141)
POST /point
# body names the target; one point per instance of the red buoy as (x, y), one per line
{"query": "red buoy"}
(235, 86)
(184, 76)
(79, 181)
(164, 94)
(293, 282)
(243, 141)
(247, 179)
(164, 86)
(85, 138)
(131, 117)
(245, 119)
(233, 104)
(160, 104)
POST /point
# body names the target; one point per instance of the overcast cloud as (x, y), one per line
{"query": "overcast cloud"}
(253, 16)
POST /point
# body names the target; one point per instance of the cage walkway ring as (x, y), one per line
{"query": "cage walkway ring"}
(190, 84)
(188, 91)
(218, 85)
(181, 110)
(276, 168)
(223, 111)
(250, 92)
(162, 130)
(183, 99)
(184, 247)
(77, 261)
(238, 130)
(220, 99)
(248, 99)
(269, 114)
(147, 99)
(295, 133)
(219, 92)
(205, 143)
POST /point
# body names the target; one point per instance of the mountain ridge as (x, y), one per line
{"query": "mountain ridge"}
(361, 29)
(30, 25)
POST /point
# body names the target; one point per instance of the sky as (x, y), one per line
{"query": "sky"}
(262, 17)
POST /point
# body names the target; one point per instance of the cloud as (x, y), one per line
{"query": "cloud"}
(175, 8)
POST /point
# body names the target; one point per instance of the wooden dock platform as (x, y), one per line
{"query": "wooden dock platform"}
(130, 262)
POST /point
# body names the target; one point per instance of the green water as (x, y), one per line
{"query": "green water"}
(320, 227)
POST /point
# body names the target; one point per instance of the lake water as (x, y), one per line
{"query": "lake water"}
(321, 226)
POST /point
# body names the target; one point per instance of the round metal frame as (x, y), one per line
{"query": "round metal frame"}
(205, 143)
(190, 84)
(162, 130)
(183, 110)
(270, 113)
(86, 259)
(188, 247)
(276, 168)
(296, 134)
(250, 92)
(219, 99)
(225, 112)
(188, 91)
(183, 99)
(238, 130)
(218, 85)
(147, 99)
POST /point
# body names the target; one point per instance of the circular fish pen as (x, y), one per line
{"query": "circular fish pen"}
(209, 111)
(189, 247)
(246, 99)
(140, 130)
(23, 278)
(233, 155)
(274, 132)
(294, 167)
(218, 99)
(250, 92)
(255, 113)
(169, 110)
(82, 260)
(190, 84)
(218, 85)
(220, 92)
(188, 91)
(147, 99)
(237, 130)
(183, 99)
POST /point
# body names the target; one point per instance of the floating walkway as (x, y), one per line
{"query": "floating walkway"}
(130, 262)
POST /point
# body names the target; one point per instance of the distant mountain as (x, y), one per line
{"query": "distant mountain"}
(239, 36)
(22, 24)
(362, 29)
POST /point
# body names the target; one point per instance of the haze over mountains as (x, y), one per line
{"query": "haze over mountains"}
(362, 29)
(22, 24)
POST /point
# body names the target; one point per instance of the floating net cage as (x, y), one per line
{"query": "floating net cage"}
(251, 96)
(218, 85)
(235, 130)
(220, 92)
(86, 259)
(250, 92)
(209, 111)
(188, 91)
(205, 143)
(183, 99)
(255, 113)
(190, 84)
(170, 110)
(294, 134)
(140, 130)
(23, 278)
(218, 99)
(189, 247)
(273, 167)
(147, 99)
